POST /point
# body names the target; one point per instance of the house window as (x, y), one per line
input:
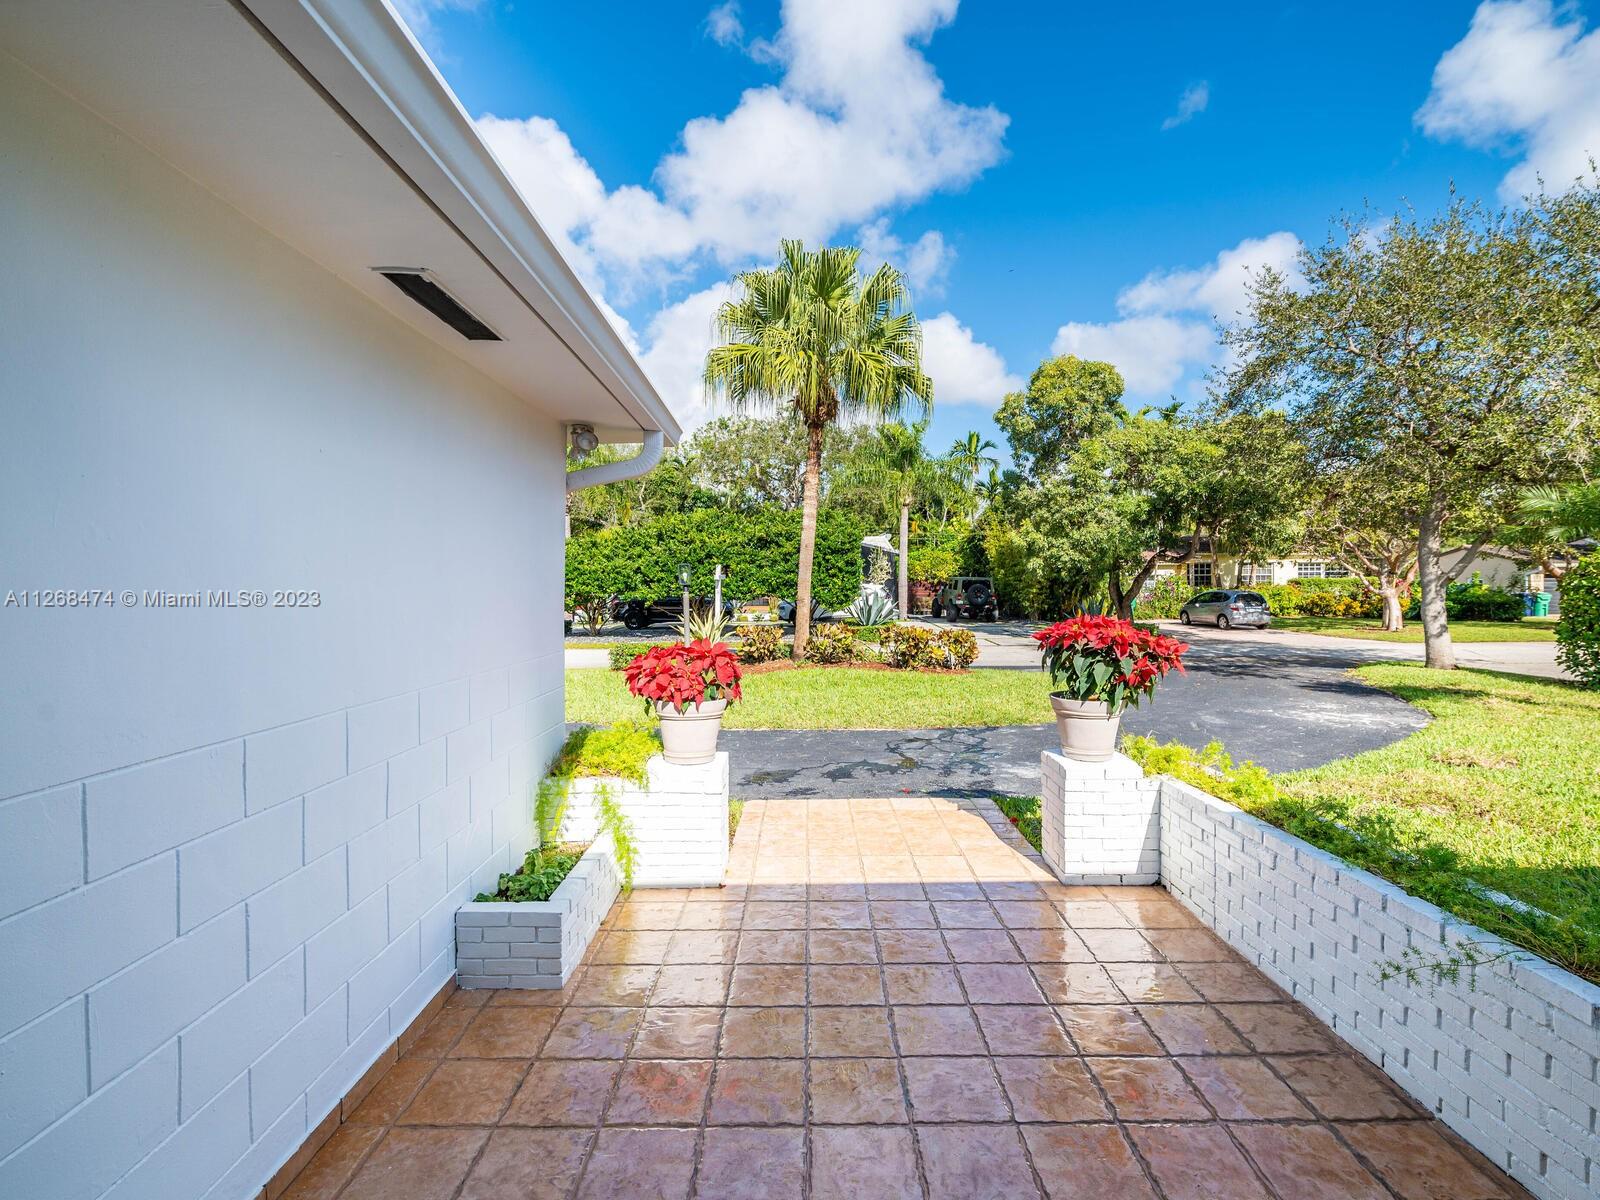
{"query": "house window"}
(1255, 573)
(1199, 574)
(1309, 570)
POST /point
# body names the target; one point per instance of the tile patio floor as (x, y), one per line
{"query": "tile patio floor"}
(892, 998)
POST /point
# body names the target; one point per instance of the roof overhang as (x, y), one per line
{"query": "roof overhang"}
(324, 122)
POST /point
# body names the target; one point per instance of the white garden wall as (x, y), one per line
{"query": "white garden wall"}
(232, 840)
(1507, 1055)
(679, 820)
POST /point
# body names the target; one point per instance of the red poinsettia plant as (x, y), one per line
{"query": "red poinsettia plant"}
(683, 674)
(1107, 658)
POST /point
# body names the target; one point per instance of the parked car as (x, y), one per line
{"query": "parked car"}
(1227, 608)
(968, 596)
(641, 614)
(787, 609)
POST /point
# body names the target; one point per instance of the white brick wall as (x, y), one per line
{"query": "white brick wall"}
(538, 944)
(202, 953)
(679, 819)
(1099, 821)
(1509, 1056)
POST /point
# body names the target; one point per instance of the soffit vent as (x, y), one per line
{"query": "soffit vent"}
(421, 286)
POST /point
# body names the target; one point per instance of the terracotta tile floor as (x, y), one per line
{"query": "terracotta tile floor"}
(892, 998)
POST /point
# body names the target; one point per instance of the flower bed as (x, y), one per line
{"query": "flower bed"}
(538, 943)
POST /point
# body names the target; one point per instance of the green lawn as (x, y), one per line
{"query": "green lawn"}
(1532, 630)
(844, 698)
(1501, 791)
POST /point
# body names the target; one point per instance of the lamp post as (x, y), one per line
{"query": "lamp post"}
(683, 579)
(716, 579)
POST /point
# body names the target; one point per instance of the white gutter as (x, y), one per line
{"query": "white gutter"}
(614, 472)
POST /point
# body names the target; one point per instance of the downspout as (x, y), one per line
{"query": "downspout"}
(614, 472)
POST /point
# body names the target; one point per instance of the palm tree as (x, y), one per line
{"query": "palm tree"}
(813, 335)
(970, 455)
(1561, 514)
(900, 468)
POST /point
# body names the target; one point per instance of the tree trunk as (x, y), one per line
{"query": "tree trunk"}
(808, 540)
(1439, 653)
(905, 547)
(1393, 610)
(1121, 601)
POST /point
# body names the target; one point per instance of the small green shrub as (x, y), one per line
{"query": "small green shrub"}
(761, 643)
(619, 750)
(830, 643)
(1578, 630)
(932, 564)
(621, 656)
(1477, 601)
(961, 646)
(913, 648)
(540, 874)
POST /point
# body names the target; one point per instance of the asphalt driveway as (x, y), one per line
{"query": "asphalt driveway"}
(1283, 705)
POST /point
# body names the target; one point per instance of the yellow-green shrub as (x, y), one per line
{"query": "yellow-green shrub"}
(760, 643)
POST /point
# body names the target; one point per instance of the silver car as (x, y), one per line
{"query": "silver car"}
(1227, 608)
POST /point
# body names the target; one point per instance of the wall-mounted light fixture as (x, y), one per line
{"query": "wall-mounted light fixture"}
(584, 440)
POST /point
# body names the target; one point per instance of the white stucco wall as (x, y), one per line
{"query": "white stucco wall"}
(232, 840)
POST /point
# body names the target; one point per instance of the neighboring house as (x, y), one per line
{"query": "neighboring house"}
(1499, 567)
(1205, 569)
(233, 835)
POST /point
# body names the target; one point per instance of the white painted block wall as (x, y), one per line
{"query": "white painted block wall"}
(1099, 822)
(1508, 1055)
(679, 820)
(232, 841)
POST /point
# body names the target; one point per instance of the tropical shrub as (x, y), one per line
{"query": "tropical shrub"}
(760, 643)
(683, 674)
(961, 646)
(1106, 658)
(831, 643)
(621, 656)
(932, 564)
(1578, 630)
(759, 551)
(1477, 601)
(913, 648)
(1164, 597)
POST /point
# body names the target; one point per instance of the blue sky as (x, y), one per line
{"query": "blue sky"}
(1053, 177)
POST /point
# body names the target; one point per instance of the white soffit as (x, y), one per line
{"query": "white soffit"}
(324, 123)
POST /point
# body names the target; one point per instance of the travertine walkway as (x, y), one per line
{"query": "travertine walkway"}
(892, 999)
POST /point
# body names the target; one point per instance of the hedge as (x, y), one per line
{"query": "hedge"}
(759, 553)
(1578, 631)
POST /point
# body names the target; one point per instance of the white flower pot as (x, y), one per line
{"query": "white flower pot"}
(1087, 728)
(690, 737)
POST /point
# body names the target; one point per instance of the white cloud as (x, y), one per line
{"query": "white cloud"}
(924, 262)
(858, 123)
(679, 336)
(418, 14)
(724, 25)
(1168, 318)
(1151, 352)
(1219, 289)
(1190, 105)
(963, 370)
(1523, 77)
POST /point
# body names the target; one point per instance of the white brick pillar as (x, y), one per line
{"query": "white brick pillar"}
(679, 819)
(1100, 821)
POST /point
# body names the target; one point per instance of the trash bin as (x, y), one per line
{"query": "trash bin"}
(1527, 604)
(1541, 604)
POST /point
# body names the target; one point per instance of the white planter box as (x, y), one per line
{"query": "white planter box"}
(1099, 822)
(680, 821)
(537, 944)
